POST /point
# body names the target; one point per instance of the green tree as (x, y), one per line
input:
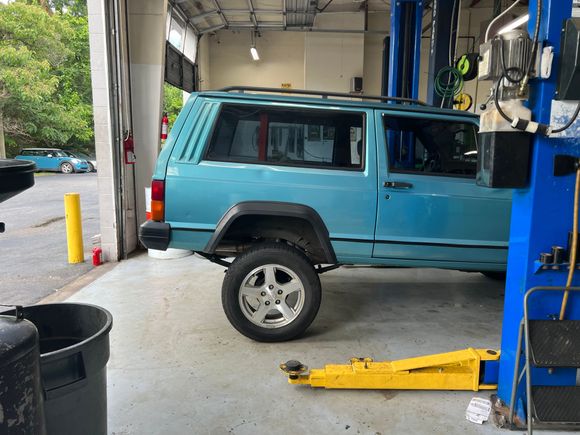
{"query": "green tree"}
(72, 7)
(44, 76)
(77, 8)
(172, 102)
(74, 90)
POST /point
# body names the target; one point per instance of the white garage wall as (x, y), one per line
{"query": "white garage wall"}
(323, 61)
(203, 60)
(331, 59)
(373, 52)
(281, 59)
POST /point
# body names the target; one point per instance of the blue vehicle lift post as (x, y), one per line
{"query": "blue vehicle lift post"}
(541, 218)
(403, 66)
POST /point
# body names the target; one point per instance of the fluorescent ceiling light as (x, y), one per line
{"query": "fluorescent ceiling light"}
(254, 53)
(514, 24)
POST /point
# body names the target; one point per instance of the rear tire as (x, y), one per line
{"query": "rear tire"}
(67, 168)
(271, 293)
(496, 276)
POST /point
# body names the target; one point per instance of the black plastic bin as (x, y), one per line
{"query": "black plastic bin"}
(74, 348)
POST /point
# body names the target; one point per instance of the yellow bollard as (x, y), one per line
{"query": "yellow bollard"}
(74, 228)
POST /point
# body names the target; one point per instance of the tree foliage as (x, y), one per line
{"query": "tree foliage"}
(45, 91)
(172, 102)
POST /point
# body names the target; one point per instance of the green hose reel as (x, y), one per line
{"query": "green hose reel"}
(467, 65)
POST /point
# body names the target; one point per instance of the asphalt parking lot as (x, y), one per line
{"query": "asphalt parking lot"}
(33, 250)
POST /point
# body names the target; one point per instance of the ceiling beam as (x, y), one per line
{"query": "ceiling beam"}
(212, 29)
(203, 15)
(252, 14)
(220, 13)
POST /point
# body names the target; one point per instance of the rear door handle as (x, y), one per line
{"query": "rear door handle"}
(398, 184)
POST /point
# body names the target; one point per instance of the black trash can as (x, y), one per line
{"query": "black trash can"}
(74, 348)
(21, 395)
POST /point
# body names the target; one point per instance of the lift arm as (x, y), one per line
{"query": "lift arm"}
(459, 370)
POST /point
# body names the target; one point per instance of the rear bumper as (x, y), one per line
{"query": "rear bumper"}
(155, 235)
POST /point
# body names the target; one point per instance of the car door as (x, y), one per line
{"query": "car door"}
(430, 211)
(57, 159)
(43, 162)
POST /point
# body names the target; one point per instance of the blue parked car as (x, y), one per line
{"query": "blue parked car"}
(53, 159)
(293, 186)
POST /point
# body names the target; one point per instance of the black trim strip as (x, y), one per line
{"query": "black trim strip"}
(394, 242)
(343, 239)
(200, 230)
(386, 242)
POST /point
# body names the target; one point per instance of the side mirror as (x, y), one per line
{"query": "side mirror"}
(49, 155)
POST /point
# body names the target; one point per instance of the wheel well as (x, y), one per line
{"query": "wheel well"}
(249, 229)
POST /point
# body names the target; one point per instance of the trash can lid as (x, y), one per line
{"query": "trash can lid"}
(17, 338)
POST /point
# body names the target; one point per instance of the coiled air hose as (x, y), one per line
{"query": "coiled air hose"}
(448, 83)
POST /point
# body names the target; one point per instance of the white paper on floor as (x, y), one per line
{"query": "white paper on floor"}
(478, 410)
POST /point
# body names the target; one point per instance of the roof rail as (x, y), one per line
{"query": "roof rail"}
(322, 94)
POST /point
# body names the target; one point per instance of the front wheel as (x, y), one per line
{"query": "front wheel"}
(271, 293)
(67, 168)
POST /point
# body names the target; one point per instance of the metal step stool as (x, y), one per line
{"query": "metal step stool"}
(555, 343)
(556, 405)
(549, 344)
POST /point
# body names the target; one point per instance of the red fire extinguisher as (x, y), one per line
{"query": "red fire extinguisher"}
(164, 126)
(129, 149)
(97, 256)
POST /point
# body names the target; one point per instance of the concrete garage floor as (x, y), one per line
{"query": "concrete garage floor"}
(178, 367)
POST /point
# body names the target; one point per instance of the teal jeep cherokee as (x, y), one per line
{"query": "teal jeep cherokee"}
(292, 186)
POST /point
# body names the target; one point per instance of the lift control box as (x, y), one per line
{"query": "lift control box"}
(569, 79)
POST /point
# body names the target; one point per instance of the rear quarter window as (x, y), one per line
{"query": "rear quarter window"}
(306, 138)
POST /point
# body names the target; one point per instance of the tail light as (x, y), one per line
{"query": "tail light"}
(157, 200)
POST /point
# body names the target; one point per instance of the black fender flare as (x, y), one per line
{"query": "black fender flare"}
(274, 208)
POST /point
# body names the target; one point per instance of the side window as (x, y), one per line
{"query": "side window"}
(26, 153)
(430, 146)
(305, 138)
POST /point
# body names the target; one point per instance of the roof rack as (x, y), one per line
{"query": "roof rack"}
(322, 94)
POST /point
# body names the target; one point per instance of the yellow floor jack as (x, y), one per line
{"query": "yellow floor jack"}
(469, 369)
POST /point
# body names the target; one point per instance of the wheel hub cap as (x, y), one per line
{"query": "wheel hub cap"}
(271, 296)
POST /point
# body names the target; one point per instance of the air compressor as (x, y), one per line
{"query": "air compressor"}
(509, 60)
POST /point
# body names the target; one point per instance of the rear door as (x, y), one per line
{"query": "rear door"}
(430, 211)
(277, 151)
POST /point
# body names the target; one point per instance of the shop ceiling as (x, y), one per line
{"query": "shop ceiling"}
(212, 15)
(206, 16)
